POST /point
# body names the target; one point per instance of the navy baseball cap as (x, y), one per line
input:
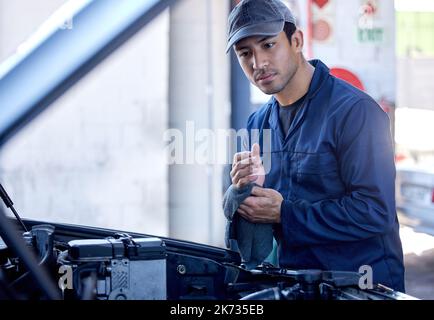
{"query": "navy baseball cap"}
(257, 18)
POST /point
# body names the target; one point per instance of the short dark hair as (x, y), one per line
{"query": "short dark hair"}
(289, 29)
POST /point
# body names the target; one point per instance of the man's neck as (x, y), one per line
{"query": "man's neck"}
(298, 86)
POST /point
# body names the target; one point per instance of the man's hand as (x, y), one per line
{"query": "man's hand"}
(247, 167)
(262, 207)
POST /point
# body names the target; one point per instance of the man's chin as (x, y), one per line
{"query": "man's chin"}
(269, 91)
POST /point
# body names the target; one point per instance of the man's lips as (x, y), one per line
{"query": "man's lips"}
(265, 77)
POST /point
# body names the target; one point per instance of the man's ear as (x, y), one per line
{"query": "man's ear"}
(298, 40)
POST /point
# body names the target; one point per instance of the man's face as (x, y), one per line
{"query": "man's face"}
(268, 62)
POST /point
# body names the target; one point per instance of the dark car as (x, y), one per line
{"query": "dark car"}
(41, 260)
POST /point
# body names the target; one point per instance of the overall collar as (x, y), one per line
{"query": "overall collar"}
(320, 75)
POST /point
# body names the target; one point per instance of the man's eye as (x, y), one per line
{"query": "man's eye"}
(243, 54)
(269, 45)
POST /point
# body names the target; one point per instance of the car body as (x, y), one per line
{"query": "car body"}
(415, 195)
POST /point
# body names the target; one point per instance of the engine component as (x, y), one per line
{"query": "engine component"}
(123, 267)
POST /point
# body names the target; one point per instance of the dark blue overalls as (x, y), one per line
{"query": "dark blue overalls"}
(335, 170)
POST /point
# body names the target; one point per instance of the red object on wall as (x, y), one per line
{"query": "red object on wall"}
(347, 76)
(321, 30)
(369, 8)
(321, 3)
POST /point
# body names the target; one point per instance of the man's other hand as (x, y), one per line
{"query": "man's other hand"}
(263, 206)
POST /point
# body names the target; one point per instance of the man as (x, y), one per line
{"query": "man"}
(330, 191)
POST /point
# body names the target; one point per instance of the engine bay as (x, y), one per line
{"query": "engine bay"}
(97, 264)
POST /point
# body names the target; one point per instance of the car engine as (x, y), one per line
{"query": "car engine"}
(119, 266)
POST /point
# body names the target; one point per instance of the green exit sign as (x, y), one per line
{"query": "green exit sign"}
(371, 35)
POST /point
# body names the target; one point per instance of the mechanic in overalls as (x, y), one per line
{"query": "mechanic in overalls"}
(328, 194)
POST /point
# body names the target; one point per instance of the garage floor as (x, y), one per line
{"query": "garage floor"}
(419, 263)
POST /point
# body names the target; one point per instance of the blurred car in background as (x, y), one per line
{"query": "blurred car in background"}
(415, 168)
(415, 192)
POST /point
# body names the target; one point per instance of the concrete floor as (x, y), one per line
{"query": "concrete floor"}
(419, 276)
(419, 263)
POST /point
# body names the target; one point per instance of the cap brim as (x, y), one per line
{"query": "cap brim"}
(259, 29)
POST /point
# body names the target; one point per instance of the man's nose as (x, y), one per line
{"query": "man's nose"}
(259, 61)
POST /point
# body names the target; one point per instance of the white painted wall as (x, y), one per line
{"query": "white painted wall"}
(95, 157)
(19, 19)
(415, 86)
(373, 62)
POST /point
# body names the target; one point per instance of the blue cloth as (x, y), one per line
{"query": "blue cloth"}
(335, 170)
(254, 241)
